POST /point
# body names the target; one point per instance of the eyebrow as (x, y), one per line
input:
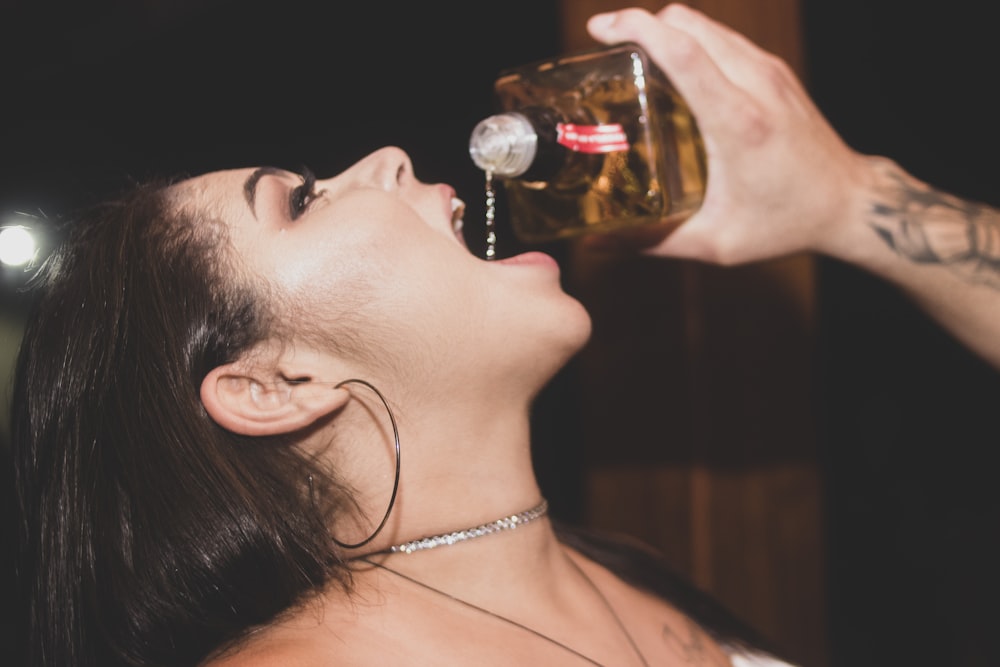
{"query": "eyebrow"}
(250, 185)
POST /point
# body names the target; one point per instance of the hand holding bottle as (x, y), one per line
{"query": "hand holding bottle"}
(780, 180)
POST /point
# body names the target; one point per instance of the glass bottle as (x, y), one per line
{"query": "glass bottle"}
(591, 142)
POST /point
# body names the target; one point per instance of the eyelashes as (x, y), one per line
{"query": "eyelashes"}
(303, 195)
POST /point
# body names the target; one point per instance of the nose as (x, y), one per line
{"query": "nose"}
(388, 168)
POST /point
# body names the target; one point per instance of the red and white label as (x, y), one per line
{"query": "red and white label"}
(592, 138)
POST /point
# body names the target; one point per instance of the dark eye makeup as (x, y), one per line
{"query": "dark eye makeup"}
(303, 195)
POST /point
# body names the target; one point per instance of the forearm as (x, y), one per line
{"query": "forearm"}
(944, 252)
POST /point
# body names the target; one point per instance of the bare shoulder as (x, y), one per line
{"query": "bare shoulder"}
(296, 640)
(665, 634)
(269, 654)
(332, 630)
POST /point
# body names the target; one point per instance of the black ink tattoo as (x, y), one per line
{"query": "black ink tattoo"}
(927, 226)
(690, 648)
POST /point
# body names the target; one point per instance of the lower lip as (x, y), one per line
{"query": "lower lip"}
(529, 259)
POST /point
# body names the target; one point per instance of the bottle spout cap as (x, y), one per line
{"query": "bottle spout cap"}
(504, 144)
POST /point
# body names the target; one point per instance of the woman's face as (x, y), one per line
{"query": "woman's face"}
(374, 256)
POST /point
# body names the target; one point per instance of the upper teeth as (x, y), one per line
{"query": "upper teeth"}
(457, 211)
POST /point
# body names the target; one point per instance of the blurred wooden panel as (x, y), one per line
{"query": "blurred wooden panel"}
(775, 25)
(697, 392)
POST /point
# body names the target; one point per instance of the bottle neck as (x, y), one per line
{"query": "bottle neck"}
(518, 144)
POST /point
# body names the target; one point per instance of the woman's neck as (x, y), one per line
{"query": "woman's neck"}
(460, 466)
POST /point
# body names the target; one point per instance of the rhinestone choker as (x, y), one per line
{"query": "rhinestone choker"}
(447, 539)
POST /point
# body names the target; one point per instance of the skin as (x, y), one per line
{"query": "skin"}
(781, 181)
(374, 261)
(460, 346)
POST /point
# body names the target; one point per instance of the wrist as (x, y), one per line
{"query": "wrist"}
(871, 183)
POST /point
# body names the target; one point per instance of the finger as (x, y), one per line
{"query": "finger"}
(693, 238)
(744, 62)
(722, 43)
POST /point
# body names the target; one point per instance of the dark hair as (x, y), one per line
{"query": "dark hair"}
(147, 533)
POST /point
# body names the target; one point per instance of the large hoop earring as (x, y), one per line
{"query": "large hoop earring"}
(395, 483)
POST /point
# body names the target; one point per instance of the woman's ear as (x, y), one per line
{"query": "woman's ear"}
(239, 401)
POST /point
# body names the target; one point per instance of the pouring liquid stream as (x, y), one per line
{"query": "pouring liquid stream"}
(491, 209)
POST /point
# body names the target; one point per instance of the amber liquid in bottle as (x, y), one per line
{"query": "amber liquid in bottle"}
(657, 176)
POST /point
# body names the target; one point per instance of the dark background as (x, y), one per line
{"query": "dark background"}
(909, 416)
(96, 94)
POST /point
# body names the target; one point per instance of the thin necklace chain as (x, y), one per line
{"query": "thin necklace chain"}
(618, 620)
(503, 523)
(510, 621)
(447, 539)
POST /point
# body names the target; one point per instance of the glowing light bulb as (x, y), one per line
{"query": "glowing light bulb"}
(17, 246)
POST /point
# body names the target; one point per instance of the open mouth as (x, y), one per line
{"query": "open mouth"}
(457, 221)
